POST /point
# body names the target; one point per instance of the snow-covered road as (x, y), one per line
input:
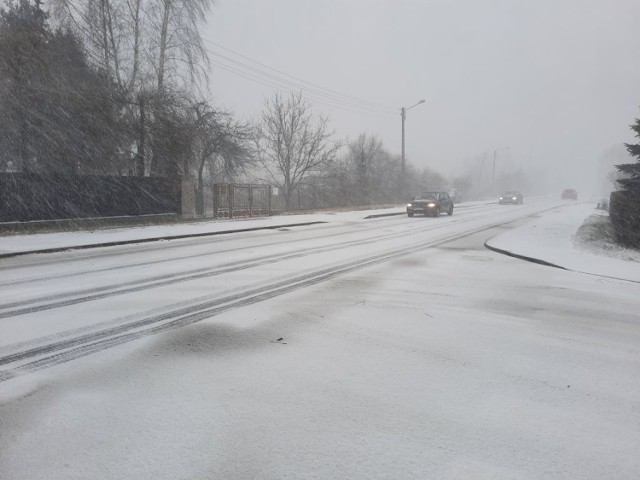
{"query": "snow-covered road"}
(380, 348)
(62, 306)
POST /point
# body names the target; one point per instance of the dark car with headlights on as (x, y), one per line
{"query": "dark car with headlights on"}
(431, 203)
(569, 194)
(511, 196)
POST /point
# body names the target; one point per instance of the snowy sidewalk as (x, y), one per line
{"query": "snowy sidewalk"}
(48, 242)
(550, 239)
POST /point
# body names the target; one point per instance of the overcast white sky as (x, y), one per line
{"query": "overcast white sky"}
(558, 81)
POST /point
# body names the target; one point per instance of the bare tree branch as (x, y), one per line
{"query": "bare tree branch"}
(292, 142)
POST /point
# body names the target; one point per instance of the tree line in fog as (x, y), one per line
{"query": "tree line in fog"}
(120, 87)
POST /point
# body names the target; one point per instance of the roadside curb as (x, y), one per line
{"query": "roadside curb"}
(378, 215)
(548, 264)
(153, 239)
(521, 257)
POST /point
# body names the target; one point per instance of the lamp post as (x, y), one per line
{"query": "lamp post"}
(493, 176)
(403, 114)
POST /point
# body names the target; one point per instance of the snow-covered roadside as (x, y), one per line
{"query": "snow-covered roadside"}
(552, 238)
(597, 236)
(21, 243)
(29, 243)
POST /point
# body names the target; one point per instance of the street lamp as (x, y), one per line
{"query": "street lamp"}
(403, 114)
(493, 177)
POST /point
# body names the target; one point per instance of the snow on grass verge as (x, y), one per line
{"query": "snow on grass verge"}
(572, 238)
(596, 236)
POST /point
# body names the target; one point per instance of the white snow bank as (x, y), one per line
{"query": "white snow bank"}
(41, 241)
(550, 238)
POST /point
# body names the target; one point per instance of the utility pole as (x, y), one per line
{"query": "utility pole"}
(403, 114)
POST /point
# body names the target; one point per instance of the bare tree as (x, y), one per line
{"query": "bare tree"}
(153, 50)
(390, 178)
(133, 24)
(365, 158)
(141, 39)
(175, 46)
(369, 174)
(222, 144)
(96, 23)
(293, 142)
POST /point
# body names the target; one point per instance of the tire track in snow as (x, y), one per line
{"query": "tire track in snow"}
(60, 300)
(164, 246)
(45, 356)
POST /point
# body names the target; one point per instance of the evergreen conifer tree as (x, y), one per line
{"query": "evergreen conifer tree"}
(632, 170)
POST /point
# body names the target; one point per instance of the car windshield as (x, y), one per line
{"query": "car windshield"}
(433, 195)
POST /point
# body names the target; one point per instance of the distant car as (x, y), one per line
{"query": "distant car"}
(511, 196)
(569, 194)
(431, 203)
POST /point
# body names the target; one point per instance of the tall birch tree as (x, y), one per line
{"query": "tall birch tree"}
(152, 49)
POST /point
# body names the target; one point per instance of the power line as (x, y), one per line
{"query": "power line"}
(332, 92)
(274, 84)
(380, 105)
(292, 83)
(273, 81)
(289, 84)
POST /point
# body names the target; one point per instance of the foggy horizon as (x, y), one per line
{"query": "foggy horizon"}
(555, 82)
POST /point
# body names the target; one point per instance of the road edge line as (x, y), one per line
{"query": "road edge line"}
(153, 239)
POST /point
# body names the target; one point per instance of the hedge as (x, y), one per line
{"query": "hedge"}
(624, 211)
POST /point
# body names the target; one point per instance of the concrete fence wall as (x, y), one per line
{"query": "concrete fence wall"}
(31, 197)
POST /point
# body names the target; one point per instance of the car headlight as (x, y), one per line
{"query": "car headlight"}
(409, 205)
(514, 198)
(431, 205)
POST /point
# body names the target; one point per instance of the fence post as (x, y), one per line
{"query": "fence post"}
(215, 200)
(250, 200)
(232, 192)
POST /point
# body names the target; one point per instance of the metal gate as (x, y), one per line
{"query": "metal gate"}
(241, 200)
